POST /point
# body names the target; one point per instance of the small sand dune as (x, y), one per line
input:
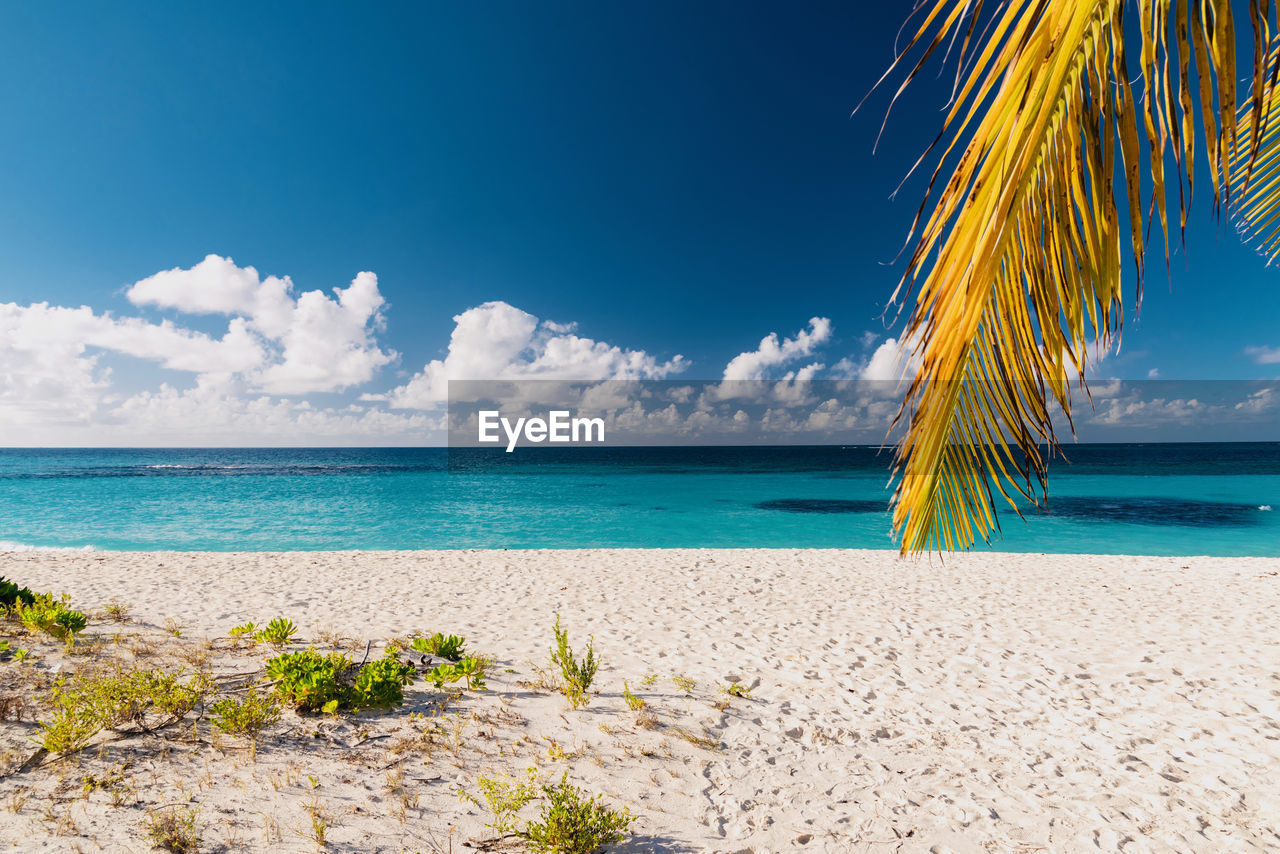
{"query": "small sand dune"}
(988, 703)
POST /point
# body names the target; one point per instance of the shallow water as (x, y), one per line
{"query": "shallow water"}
(1210, 499)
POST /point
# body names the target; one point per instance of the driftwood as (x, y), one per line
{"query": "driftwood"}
(33, 761)
(493, 843)
(41, 756)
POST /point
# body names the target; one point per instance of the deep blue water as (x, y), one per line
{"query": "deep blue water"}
(1212, 499)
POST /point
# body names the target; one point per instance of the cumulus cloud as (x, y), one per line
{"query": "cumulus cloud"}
(214, 286)
(893, 360)
(758, 364)
(1264, 355)
(56, 383)
(497, 341)
(307, 343)
(50, 370)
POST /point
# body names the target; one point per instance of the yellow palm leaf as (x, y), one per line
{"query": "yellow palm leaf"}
(1017, 269)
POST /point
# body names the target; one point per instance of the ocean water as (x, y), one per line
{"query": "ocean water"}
(1159, 499)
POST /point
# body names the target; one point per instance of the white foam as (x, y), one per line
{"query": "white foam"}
(10, 546)
(1264, 506)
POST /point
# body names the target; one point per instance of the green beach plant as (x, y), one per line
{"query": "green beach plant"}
(634, 703)
(445, 646)
(574, 823)
(309, 680)
(121, 699)
(504, 797)
(330, 683)
(51, 616)
(380, 684)
(174, 829)
(244, 631)
(248, 716)
(471, 668)
(16, 653)
(279, 631)
(11, 594)
(576, 674)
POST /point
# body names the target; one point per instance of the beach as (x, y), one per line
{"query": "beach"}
(982, 702)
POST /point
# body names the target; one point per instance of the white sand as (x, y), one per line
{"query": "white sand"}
(992, 703)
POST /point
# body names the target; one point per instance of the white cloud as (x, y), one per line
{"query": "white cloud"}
(308, 343)
(56, 388)
(50, 370)
(1149, 413)
(497, 341)
(846, 369)
(756, 364)
(1260, 401)
(893, 360)
(217, 413)
(1264, 355)
(214, 286)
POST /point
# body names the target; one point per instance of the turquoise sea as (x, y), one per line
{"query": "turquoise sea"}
(1166, 499)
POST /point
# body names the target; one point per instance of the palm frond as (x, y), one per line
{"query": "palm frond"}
(1257, 179)
(1017, 269)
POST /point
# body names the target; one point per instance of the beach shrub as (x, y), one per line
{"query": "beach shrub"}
(330, 683)
(247, 630)
(380, 684)
(634, 703)
(736, 689)
(248, 716)
(470, 668)
(51, 616)
(11, 594)
(277, 632)
(445, 646)
(504, 798)
(174, 829)
(309, 680)
(143, 700)
(576, 674)
(573, 823)
(67, 623)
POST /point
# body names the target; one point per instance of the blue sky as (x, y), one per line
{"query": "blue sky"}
(670, 178)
